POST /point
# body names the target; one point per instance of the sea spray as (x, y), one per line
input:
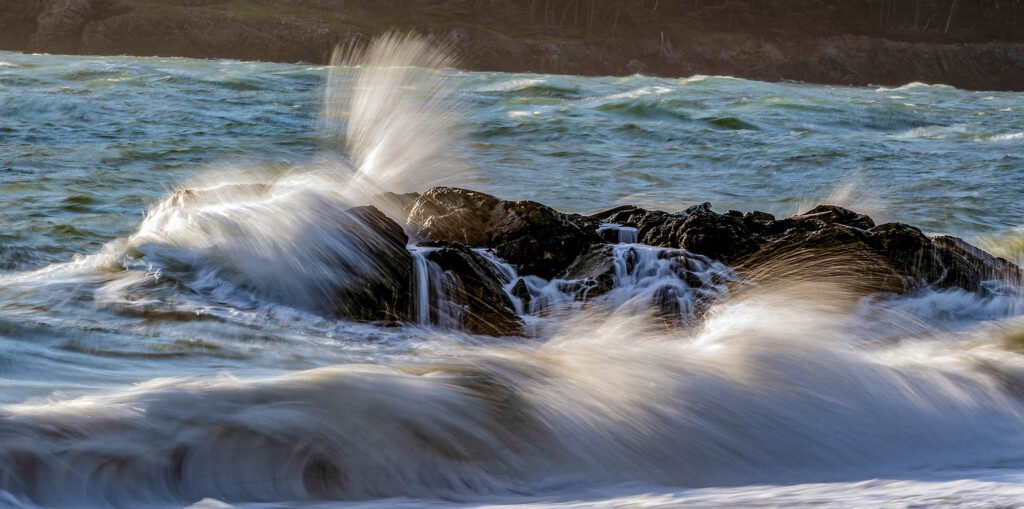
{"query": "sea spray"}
(395, 113)
(293, 238)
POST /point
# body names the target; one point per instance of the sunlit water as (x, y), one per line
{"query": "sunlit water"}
(119, 374)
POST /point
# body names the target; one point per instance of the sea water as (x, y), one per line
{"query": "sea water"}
(158, 351)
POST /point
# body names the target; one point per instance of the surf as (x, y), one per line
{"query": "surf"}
(687, 374)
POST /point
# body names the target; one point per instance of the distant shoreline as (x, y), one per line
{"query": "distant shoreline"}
(670, 44)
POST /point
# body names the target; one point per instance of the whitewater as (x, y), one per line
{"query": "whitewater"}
(175, 233)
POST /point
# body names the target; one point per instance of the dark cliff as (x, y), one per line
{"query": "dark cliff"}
(971, 44)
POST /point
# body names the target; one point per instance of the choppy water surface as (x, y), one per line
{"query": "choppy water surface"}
(117, 372)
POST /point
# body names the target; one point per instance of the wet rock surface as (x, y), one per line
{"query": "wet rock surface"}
(535, 238)
(595, 270)
(476, 287)
(754, 238)
(385, 294)
(987, 265)
(725, 237)
(673, 264)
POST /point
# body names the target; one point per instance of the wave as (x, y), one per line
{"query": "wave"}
(915, 85)
(777, 387)
(641, 92)
(1009, 245)
(1004, 137)
(959, 132)
(550, 87)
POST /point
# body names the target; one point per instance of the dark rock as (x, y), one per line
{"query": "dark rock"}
(703, 207)
(889, 257)
(654, 227)
(18, 22)
(915, 257)
(386, 292)
(454, 215)
(900, 253)
(534, 238)
(725, 237)
(609, 235)
(522, 292)
(764, 224)
(981, 50)
(476, 287)
(990, 267)
(538, 240)
(814, 250)
(832, 214)
(718, 236)
(623, 214)
(60, 23)
(594, 271)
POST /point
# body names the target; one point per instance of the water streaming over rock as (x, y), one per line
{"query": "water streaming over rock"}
(644, 278)
(434, 303)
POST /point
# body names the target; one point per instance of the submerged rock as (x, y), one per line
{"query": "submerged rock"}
(534, 238)
(476, 287)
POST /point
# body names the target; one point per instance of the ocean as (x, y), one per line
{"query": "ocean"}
(158, 354)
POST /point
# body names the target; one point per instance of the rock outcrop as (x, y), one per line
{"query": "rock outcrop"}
(725, 237)
(553, 261)
(593, 271)
(534, 238)
(755, 238)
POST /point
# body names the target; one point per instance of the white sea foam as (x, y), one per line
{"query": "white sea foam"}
(912, 86)
(1004, 137)
(641, 92)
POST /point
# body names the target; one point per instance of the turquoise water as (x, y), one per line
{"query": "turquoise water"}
(88, 143)
(127, 385)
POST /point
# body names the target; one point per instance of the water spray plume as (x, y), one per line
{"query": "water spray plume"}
(393, 106)
(294, 238)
